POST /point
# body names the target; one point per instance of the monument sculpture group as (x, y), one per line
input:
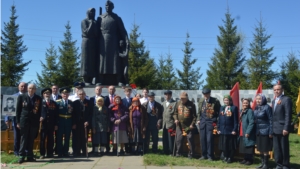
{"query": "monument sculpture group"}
(105, 48)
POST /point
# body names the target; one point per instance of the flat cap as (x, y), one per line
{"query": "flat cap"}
(167, 92)
(151, 94)
(79, 84)
(184, 95)
(46, 90)
(64, 90)
(206, 91)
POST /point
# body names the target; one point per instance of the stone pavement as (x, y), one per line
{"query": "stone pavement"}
(105, 162)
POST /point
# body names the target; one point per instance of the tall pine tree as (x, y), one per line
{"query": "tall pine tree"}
(49, 74)
(12, 49)
(165, 73)
(228, 60)
(68, 59)
(189, 78)
(261, 61)
(142, 68)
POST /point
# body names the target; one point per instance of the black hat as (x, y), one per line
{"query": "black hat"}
(45, 90)
(64, 90)
(79, 84)
(151, 94)
(167, 92)
(206, 91)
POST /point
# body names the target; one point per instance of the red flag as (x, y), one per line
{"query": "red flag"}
(235, 95)
(259, 90)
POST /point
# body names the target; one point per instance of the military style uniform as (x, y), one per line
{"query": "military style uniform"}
(186, 115)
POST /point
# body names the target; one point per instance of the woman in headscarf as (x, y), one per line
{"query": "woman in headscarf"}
(227, 128)
(138, 121)
(101, 124)
(263, 119)
(246, 132)
(119, 118)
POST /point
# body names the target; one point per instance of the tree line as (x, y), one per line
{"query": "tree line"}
(228, 62)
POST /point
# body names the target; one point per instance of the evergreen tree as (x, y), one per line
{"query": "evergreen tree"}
(189, 78)
(142, 68)
(260, 63)
(290, 77)
(12, 49)
(165, 73)
(49, 74)
(68, 59)
(228, 60)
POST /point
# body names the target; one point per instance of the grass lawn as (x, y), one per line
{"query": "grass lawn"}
(8, 158)
(165, 160)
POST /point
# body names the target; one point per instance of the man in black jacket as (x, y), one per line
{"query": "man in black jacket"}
(282, 112)
(28, 116)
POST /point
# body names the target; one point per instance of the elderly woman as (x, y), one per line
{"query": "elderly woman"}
(227, 128)
(119, 118)
(138, 121)
(246, 132)
(263, 119)
(100, 122)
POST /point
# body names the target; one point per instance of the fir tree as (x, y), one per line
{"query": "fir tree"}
(261, 60)
(142, 69)
(165, 74)
(228, 60)
(68, 59)
(49, 74)
(189, 78)
(12, 49)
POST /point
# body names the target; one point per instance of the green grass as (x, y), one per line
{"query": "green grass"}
(8, 158)
(165, 160)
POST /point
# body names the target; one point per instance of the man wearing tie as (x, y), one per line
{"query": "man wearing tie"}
(145, 94)
(108, 100)
(55, 96)
(208, 111)
(127, 103)
(17, 136)
(282, 112)
(49, 116)
(28, 116)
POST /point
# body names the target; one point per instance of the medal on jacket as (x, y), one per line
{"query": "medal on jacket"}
(36, 106)
(70, 108)
(153, 111)
(25, 104)
(209, 110)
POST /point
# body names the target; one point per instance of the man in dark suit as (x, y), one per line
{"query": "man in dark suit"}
(83, 111)
(108, 100)
(168, 125)
(208, 111)
(154, 111)
(17, 136)
(49, 116)
(282, 112)
(55, 96)
(127, 103)
(98, 91)
(29, 107)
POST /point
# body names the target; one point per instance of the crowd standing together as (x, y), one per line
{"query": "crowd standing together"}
(130, 122)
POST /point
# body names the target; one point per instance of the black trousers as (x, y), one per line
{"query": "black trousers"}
(28, 134)
(168, 141)
(46, 134)
(179, 140)
(108, 142)
(80, 143)
(281, 150)
(207, 142)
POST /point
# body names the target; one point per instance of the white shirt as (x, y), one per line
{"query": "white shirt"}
(111, 98)
(75, 97)
(54, 97)
(151, 105)
(276, 101)
(128, 99)
(143, 100)
(168, 102)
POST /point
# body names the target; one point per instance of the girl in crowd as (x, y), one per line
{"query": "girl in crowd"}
(101, 124)
(263, 120)
(246, 133)
(227, 128)
(138, 121)
(119, 117)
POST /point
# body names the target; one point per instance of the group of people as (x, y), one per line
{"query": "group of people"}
(129, 122)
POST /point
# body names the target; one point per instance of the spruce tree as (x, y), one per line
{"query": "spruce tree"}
(49, 74)
(189, 78)
(261, 60)
(165, 73)
(68, 59)
(142, 68)
(12, 65)
(227, 64)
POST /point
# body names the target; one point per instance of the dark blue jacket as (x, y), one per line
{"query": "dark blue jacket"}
(50, 115)
(263, 118)
(126, 103)
(228, 122)
(282, 114)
